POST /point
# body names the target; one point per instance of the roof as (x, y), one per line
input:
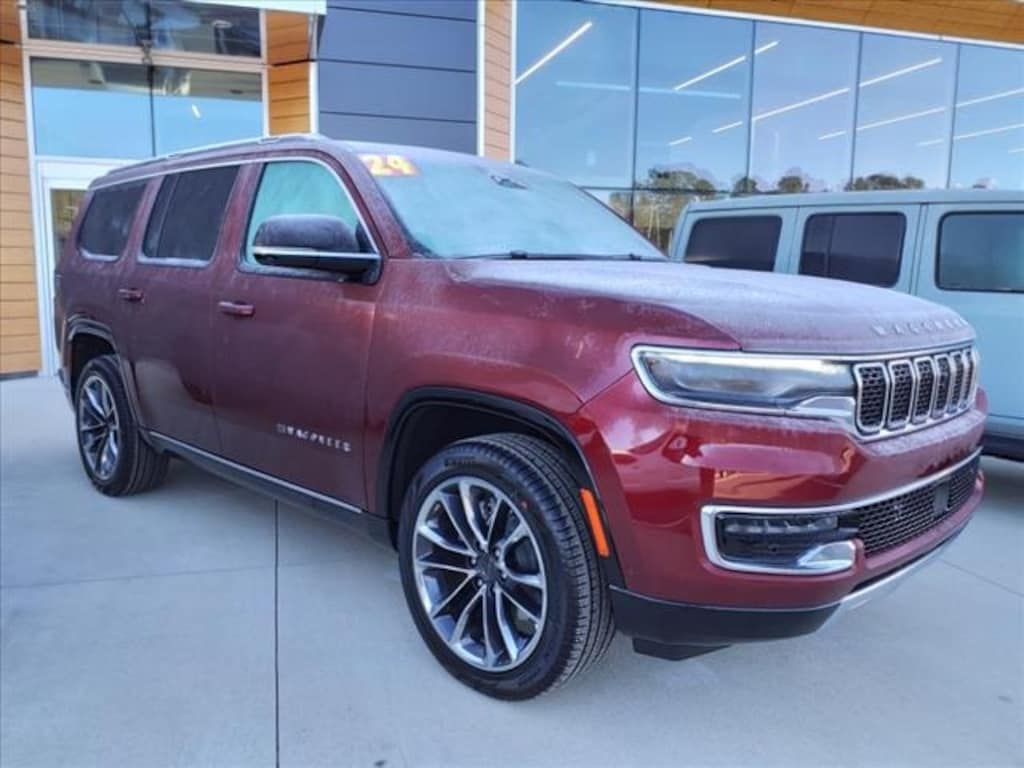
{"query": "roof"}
(881, 197)
(225, 153)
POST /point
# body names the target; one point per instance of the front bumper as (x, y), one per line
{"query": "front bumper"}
(664, 624)
(656, 467)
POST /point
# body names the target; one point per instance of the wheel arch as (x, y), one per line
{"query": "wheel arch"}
(86, 339)
(443, 415)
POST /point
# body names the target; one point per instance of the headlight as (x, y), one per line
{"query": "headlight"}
(747, 382)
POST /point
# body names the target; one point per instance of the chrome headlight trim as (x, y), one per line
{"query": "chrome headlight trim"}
(835, 407)
(824, 404)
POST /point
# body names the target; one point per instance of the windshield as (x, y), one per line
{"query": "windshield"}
(456, 208)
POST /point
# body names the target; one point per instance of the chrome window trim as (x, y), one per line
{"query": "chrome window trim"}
(304, 158)
(140, 256)
(710, 512)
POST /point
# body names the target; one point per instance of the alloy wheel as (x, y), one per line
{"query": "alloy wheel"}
(479, 573)
(99, 429)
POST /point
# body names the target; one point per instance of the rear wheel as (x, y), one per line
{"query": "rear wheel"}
(498, 569)
(115, 457)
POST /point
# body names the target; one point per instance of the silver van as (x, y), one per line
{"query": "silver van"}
(961, 248)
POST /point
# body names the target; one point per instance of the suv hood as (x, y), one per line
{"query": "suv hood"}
(761, 311)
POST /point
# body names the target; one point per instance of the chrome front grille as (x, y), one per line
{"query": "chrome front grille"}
(900, 394)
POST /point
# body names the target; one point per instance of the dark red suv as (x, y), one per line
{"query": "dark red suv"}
(561, 432)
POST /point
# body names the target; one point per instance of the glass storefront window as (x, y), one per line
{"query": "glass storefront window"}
(109, 103)
(118, 115)
(170, 25)
(192, 107)
(619, 200)
(904, 113)
(574, 90)
(988, 131)
(727, 105)
(693, 102)
(803, 103)
(655, 214)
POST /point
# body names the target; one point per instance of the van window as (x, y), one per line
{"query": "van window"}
(981, 252)
(109, 219)
(298, 187)
(187, 214)
(862, 247)
(736, 242)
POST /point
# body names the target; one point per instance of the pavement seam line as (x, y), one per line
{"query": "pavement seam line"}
(277, 675)
(158, 575)
(978, 576)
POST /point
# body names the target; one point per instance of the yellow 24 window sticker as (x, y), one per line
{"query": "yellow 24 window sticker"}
(389, 165)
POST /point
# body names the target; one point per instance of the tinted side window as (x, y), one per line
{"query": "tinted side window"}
(109, 219)
(187, 215)
(736, 242)
(981, 252)
(299, 187)
(862, 247)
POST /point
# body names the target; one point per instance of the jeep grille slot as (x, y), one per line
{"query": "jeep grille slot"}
(905, 394)
(925, 388)
(887, 524)
(872, 395)
(942, 391)
(902, 375)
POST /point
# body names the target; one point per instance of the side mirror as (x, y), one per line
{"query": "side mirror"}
(311, 241)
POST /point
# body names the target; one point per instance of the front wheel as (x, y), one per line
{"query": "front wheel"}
(498, 569)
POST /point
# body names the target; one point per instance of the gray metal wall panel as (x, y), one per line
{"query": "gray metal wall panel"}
(412, 41)
(400, 70)
(374, 89)
(452, 9)
(459, 137)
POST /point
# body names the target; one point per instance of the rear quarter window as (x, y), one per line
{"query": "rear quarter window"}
(735, 242)
(861, 247)
(981, 252)
(108, 219)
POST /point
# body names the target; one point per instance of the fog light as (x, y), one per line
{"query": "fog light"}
(811, 543)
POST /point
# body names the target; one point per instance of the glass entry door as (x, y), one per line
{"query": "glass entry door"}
(61, 186)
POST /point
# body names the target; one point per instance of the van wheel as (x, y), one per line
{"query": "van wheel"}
(498, 569)
(115, 457)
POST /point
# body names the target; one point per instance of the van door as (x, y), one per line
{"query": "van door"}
(291, 345)
(166, 296)
(753, 238)
(972, 261)
(871, 244)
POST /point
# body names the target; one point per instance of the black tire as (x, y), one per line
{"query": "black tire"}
(578, 626)
(137, 467)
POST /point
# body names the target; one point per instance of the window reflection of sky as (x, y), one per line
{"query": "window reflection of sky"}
(103, 109)
(729, 104)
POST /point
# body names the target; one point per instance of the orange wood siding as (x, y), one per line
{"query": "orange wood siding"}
(1001, 20)
(288, 59)
(497, 79)
(19, 313)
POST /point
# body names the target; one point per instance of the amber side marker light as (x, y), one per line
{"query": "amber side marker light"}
(594, 518)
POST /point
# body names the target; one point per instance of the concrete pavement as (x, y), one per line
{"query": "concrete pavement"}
(141, 632)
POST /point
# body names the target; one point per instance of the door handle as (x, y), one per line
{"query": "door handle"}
(129, 294)
(236, 308)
